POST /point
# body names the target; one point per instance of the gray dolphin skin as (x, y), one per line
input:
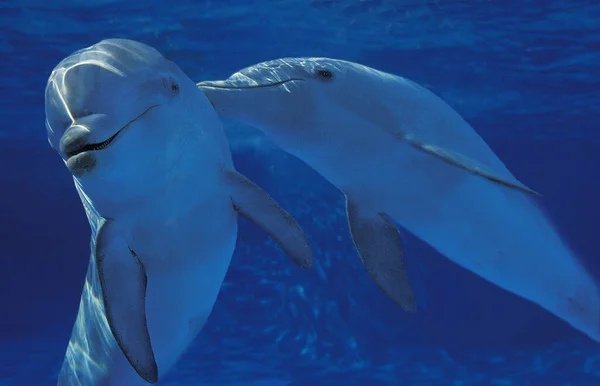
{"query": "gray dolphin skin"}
(153, 169)
(398, 152)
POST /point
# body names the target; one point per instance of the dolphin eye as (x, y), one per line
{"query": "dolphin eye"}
(325, 74)
(171, 85)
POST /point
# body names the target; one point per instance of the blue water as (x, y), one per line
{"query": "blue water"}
(525, 74)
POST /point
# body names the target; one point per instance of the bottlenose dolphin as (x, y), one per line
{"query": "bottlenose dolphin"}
(154, 172)
(398, 151)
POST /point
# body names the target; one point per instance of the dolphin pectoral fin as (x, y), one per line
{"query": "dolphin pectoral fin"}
(123, 282)
(256, 205)
(471, 165)
(380, 248)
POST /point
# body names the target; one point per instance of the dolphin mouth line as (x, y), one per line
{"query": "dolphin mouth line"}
(210, 84)
(104, 144)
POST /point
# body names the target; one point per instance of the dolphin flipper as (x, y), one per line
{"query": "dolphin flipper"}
(123, 281)
(470, 165)
(256, 205)
(380, 248)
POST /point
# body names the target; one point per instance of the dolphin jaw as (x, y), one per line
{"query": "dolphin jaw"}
(93, 146)
(104, 144)
(223, 84)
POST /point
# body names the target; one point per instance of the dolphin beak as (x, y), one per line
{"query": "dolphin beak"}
(215, 84)
(242, 82)
(76, 139)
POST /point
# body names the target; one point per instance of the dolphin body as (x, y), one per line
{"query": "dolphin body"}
(398, 151)
(154, 172)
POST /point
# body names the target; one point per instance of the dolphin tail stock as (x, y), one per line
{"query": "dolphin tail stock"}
(379, 247)
(256, 205)
(582, 306)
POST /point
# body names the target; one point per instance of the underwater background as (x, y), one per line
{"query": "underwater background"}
(525, 74)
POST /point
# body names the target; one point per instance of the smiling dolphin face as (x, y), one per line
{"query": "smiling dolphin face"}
(115, 113)
(278, 95)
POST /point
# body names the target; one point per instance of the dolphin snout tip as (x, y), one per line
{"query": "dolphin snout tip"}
(81, 164)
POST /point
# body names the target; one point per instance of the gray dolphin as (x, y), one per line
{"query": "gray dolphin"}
(398, 151)
(154, 172)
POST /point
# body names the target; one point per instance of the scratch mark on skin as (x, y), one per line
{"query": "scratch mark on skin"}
(192, 321)
(576, 304)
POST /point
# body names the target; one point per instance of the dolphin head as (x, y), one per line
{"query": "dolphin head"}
(287, 94)
(115, 113)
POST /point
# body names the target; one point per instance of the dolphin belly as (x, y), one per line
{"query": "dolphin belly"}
(179, 302)
(495, 232)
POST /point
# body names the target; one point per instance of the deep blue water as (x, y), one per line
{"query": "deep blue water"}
(525, 74)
